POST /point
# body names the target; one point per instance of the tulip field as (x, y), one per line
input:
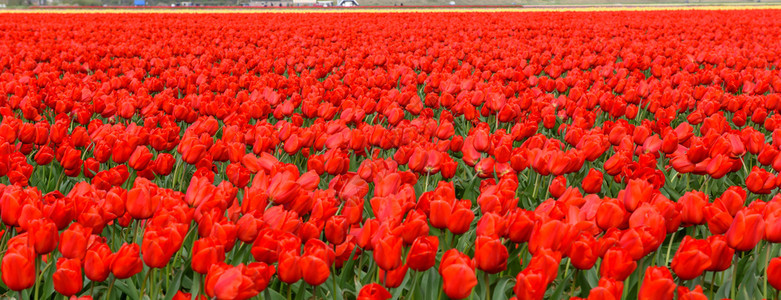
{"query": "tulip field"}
(391, 155)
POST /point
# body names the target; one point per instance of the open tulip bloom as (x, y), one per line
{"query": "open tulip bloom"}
(503, 155)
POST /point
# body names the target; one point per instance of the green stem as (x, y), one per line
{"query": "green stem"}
(427, 176)
(734, 277)
(414, 285)
(194, 290)
(135, 230)
(574, 280)
(153, 284)
(38, 277)
(289, 291)
(110, 286)
(712, 281)
(487, 280)
(333, 280)
(669, 247)
(59, 179)
(143, 283)
(767, 262)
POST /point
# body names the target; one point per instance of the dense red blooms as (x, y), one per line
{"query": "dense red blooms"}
(223, 154)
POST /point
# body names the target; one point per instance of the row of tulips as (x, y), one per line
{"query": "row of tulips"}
(599, 155)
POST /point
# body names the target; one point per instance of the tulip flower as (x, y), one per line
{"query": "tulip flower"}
(746, 231)
(314, 270)
(693, 204)
(67, 278)
(97, 262)
(657, 284)
(140, 202)
(530, 284)
(721, 253)
(692, 258)
(696, 294)
(773, 272)
(126, 262)
(617, 264)
(592, 183)
(422, 254)
(387, 252)
(44, 234)
(393, 278)
(205, 253)
(458, 280)
(490, 255)
(373, 291)
(583, 253)
(73, 241)
(18, 269)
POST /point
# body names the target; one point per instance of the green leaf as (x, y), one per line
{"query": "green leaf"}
(175, 285)
(348, 270)
(274, 294)
(127, 287)
(500, 290)
(402, 288)
(557, 293)
(592, 278)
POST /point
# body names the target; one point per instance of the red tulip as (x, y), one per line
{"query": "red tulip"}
(141, 204)
(373, 291)
(205, 253)
(490, 255)
(461, 218)
(458, 280)
(530, 284)
(157, 248)
(314, 270)
(44, 234)
(547, 261)
(68, 280)
(657, 284)
(685, 294)
(97, 262)
(636, 192)
(336, 229)
(73, 241)
(746, 231)
(693, 204)
(520, 224)
(583, 252)
(692, 258)
(387, 252)
(610, 214)
(140, 158)
(592, 183)
(721, 253)
(393, 278)
(126, 262)
(773, 273)
(617, 264)
(558, 186)
(289, 268)
(423, 253)
(18, 269)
